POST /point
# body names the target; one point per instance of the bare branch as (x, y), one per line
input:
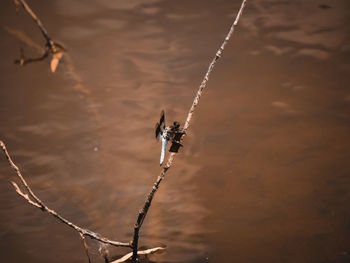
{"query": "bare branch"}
(40, 204)
(25, 196)
(53, 48)
(211, 67)
(26, 7)
(141, 252)
(23, 60)
(143, 212)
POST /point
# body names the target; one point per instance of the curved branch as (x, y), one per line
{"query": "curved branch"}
(32, 199)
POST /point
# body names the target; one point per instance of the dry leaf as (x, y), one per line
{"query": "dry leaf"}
(56, 57)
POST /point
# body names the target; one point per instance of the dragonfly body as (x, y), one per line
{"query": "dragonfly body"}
(165, 139)
(165, 134)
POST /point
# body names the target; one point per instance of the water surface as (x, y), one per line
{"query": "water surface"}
(264, 174)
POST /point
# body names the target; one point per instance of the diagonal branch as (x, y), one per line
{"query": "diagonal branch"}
(43, 30)
(32, 199)
(53, 48)
(143, 212)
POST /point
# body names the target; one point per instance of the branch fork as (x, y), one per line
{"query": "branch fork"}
(52, 48)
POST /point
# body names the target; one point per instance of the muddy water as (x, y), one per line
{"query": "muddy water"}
(264, 175)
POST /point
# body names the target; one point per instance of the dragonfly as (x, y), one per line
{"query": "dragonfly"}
(167, 134)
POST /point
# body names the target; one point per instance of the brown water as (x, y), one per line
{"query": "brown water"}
(265, 171)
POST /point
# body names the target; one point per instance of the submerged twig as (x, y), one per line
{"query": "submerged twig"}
(52, 48)
(23, 60)
(140, 252)
(70, 69)
(32, 199)
(85, 246)
(104, 252)
(143, 212)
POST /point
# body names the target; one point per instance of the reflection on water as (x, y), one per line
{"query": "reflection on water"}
(264, 172)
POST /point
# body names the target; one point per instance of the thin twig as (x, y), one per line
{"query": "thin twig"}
(143, 212)
(35, 201)
(140, 252)
(53, 48)
(43, 30)
(23, 60)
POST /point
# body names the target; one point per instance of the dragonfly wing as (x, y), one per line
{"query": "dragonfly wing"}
(162, 153)
(162, 119)
(160, 126)
(158, 131)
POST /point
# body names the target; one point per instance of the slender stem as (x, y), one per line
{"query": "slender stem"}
(37, 21)
(40, 204)
(51, 47)
(23, 60)
(143, 212)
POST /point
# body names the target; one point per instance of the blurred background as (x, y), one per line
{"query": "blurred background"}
(265, 173)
